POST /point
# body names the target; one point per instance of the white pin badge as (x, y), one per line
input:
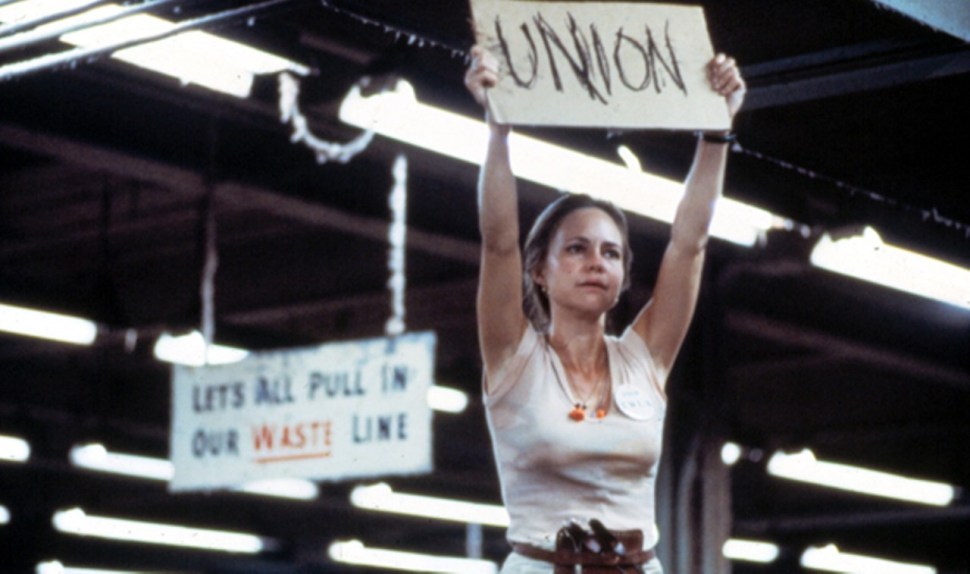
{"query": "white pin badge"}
(633, 402)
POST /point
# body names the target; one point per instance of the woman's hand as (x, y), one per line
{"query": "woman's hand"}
(481, 75)
(726, 80)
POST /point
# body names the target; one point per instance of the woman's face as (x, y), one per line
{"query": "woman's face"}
(583, 269)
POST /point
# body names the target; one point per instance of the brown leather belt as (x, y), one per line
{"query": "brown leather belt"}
(568, 562)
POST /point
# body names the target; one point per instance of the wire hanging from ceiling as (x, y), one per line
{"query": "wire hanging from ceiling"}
(209, 245)
(413, 37)
(927, 215)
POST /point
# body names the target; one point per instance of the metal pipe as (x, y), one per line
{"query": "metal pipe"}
(38, 36)
(20, 69)
(13, 28)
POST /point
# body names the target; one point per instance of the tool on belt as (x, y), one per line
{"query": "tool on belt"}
(594, 551)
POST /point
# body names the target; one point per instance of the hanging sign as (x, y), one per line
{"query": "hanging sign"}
(603, 64)
(338, 411)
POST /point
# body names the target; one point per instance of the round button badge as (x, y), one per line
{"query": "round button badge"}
(633, 402)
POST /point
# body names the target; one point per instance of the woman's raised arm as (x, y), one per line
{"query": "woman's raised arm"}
(501, 320)
(664, 321)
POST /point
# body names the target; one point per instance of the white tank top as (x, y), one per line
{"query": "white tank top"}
(552, 468)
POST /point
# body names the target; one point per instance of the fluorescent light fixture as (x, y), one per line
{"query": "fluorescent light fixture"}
(399, 115)
(76, 521)
(804, 467)
(14, 449)
(97, 458)
(293, 488)
(192, 351)
(382, 498)
(194, 57)
(749, 550)
(47, 325)
(730, 453)
(867, 257)
(4, 515)
(354, 552)
(56, 567)
(447, 399)
(831, 559)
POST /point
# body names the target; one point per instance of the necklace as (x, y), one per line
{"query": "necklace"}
(578, 412)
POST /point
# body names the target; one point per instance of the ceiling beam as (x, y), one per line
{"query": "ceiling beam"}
(848, 70)
(851, 521)
(229, 195)
(836, 347)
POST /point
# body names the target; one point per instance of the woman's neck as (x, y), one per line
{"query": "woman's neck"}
(580, 347)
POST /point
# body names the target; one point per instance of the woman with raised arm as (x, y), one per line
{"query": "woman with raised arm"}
(576, 415)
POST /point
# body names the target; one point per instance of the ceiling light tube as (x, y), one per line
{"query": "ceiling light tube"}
(191, 350)
(865, 256)
(54, 12)
(354, 552)
(804, 467)
(150, 42)
(399, 115)
(76, 521)
(4, 515)
(292, 488)
(14, 449)
(57, 567)
(47, 325)
(447, 399)
(97, 458)
(730, 453)
(382, 498)
(831, 559)
(52, 32)
(750, 550)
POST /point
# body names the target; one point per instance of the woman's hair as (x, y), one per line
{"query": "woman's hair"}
(537, 248)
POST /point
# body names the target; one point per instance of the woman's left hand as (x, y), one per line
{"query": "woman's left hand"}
(726, 80)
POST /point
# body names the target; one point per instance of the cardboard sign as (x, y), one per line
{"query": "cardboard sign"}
(603, 64)
(338, 411)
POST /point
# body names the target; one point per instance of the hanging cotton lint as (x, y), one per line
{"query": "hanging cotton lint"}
(325, 151)
(396, 238)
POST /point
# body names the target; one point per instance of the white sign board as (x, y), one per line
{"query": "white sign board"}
(603, 64)
(339, 411)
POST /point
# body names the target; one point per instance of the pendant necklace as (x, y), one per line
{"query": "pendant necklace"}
(578, 412)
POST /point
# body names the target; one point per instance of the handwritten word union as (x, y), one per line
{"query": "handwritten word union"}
(600, 63)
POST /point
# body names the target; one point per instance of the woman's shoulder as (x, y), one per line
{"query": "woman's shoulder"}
(631, 344)
(529, 353)
(635, 359)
